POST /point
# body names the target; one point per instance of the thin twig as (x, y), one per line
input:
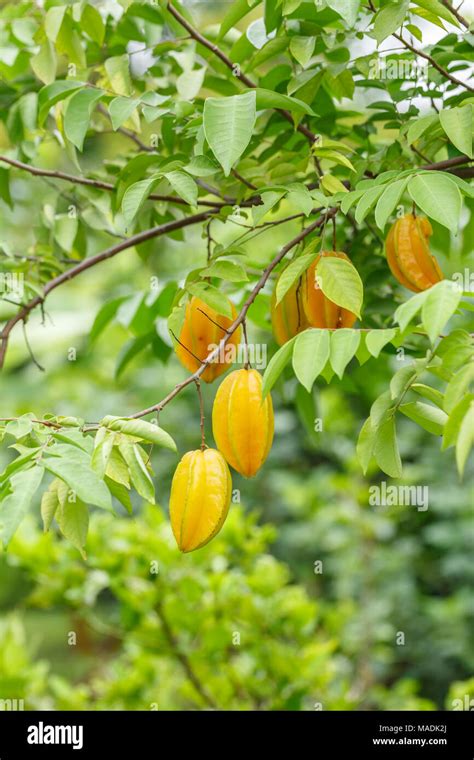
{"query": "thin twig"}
(30, 350)
(201, 414)
(455, 13)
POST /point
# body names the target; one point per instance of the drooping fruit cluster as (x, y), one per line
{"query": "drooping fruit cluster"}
(319, 310)
(408, 253)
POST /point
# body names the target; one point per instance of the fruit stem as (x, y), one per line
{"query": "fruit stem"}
(246, 344)
(201, 413)
(334, 240)
(414, 209)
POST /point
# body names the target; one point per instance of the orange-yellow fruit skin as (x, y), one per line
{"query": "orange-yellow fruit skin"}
(200, 498)
(408, 253)
(242, 423)
(199, 332)
(288, 317)
(319, 310)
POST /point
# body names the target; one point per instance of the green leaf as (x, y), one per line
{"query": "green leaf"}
(310, 354)
(439, 306)
(332, 185)
(228, 126)
(184, 185)
(344, 344)
(386, 451)
(202, 166)
(389, 19)
(120, 493)
(438, 196)
(458, 386)
(136, 195)
(269, 200)
(405, 313)
(104, 317)
(402, 380)
(458, 125)
(78, 113)
(418, 127)
(139, 475)
(226, 270)
(190, 82)
(49, 504)
(276, 365)
(292, 273)
(53, 21)
(237, 11)
(117, 69)
(16, 504)
(367, 202)
(465, 440)
(341, 283)
(212, 296)
(430, 393)
(120, 109)
(300, 197)
(453, 424)
(5, 187)
(146, 431)
(91, 22)
(301, 48)
(347, 9)
(51, 94)
(365, 445)
(335, 156)
(74, 467)
(388, 201)
(438, 9)
(44, 63)
(73, 521)
(377, 339)
(103, 445)
(429, 417)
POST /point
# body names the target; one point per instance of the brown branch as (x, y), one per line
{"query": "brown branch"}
(243, 180)
(141, 237)
(195, 34)
(444, 72)
(463, 173)
(46, 423)
(201, 414)
(239, 319)
(455, 13)
(101, 185)
(184, 660)
(448, 164)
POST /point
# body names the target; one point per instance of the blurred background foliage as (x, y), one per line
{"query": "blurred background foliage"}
(298, 604)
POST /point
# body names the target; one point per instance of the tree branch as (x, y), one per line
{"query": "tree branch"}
(455, 13)
(239, 319)
(141, 237)
(195, 34)
(444, 72)
(101, 185)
